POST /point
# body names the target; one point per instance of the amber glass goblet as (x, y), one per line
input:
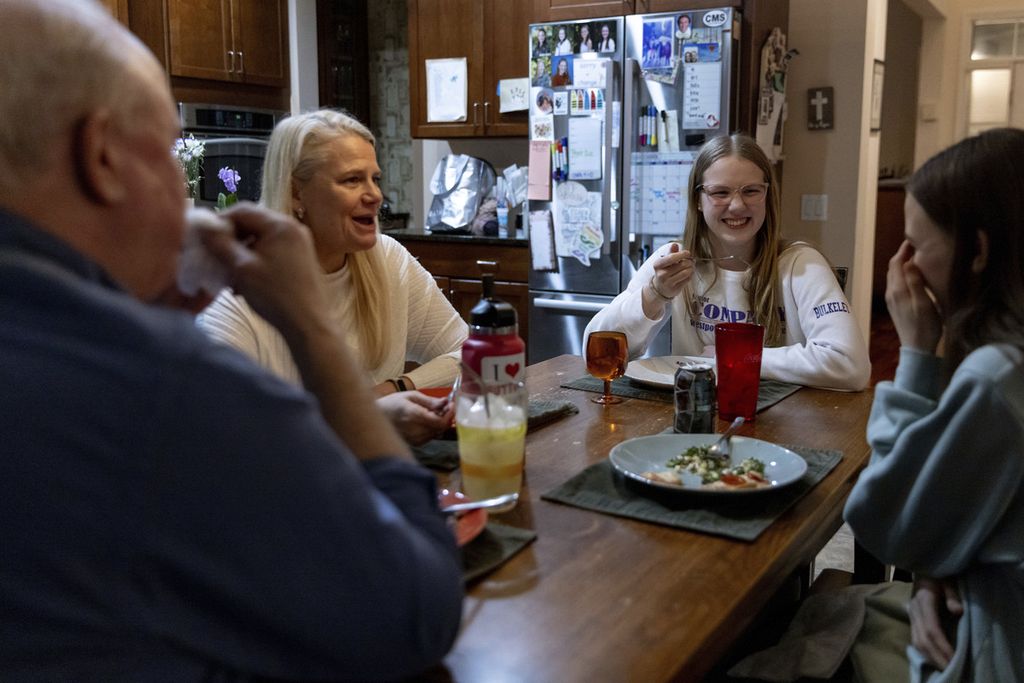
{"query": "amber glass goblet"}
(607, 354)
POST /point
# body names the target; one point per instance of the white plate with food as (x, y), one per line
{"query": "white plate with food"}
(660, 371)
(678, 462)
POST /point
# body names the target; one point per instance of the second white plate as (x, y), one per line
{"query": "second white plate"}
(660, 371)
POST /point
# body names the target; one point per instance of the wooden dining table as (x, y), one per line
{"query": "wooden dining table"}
(598, 597)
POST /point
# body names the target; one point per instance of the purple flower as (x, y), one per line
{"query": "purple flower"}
(230, 178)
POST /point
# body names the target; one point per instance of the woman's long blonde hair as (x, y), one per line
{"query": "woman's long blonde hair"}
(298, 147)
(762, 284)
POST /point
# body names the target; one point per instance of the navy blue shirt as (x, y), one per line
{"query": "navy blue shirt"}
(171, 512)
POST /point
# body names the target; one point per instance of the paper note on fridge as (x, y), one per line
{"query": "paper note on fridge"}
(585, 148)
(539, 175)
(446, 89)
(577, 218)
(702, 95)
(514, 94)
(589, 73)
(668, 131)
(542, 247)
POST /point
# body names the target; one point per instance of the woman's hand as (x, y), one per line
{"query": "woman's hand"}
(914, 314)
(934, 601)
(672, 270)
(417, 417)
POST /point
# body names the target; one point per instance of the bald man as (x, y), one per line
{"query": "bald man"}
(169, 511)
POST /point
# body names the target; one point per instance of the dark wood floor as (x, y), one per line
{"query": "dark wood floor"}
(884, 346)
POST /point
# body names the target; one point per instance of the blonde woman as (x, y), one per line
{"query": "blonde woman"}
(734, 266)
(321, 168)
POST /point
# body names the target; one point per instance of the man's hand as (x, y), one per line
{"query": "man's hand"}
(173, 298)
(417, 417)
(272, 264)
(933, 603)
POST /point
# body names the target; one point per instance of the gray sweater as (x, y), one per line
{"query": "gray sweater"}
(944, 496)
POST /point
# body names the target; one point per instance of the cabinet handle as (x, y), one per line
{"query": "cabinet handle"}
(487, 113)
(241, 62)
(476, 110)
(488, 266)
(231, 68)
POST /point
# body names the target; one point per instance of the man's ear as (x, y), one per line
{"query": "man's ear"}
(98, 150)
(981, 258)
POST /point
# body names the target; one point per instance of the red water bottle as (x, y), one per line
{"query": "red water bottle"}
(494, 350)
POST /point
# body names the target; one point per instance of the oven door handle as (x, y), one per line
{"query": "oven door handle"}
(559, 305)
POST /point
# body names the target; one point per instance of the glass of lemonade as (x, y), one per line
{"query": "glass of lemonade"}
(491, 424)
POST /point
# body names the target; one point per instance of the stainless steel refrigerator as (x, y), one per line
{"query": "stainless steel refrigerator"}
(622, 103)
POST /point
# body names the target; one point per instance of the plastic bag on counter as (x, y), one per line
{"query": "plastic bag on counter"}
(516, 184)
(459, 184)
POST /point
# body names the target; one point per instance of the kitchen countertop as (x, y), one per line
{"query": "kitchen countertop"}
(413, 235)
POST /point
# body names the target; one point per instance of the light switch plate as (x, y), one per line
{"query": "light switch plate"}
(814, 207)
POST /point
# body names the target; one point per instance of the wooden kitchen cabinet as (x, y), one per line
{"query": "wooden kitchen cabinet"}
(458, 268)
(119, 8)
(244, 41)
(492, 36)
(567, 10)
(342, 29)
(889, 225)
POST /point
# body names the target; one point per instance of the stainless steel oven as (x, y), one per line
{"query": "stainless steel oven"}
(234, 137)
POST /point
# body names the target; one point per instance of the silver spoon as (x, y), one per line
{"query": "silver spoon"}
(486, 503)
(720, 258)
(721, 448)
(450, 399)
(715, 259)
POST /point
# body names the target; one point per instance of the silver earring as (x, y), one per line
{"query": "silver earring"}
(300, 212)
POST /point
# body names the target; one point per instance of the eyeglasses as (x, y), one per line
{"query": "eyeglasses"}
(720, 195)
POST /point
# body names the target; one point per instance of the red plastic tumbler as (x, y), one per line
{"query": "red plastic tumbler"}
(738, 357)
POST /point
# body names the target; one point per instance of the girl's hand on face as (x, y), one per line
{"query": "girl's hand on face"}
(914, 314)
(672, 270)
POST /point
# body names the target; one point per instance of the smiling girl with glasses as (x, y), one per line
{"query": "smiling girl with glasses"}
(732, 265)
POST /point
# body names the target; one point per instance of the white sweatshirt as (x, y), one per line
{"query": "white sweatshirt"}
(823, 346)
(422, 326)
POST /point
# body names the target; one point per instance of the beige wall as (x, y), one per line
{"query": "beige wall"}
(899, 108)
(302, 55)
(838, 43)
(943, 45)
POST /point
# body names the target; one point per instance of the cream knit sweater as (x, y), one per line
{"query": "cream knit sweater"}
(422, 326)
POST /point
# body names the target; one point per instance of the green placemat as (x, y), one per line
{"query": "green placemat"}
(438, 454)
(443, 454)
(542, 412)
(743, 516)
(495, 544)
(769, 391)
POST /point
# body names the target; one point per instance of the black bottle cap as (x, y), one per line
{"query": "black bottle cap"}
(490, 313)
